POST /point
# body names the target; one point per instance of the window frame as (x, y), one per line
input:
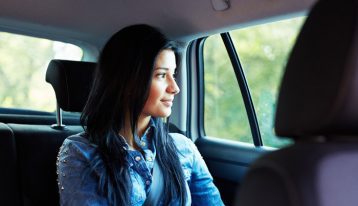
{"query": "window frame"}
(241, 80)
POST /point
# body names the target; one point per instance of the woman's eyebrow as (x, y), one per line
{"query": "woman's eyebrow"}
(164, 68)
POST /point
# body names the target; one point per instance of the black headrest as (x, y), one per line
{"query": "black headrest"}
(72, 81)
(319, 91)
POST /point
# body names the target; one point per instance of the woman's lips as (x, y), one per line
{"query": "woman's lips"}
(167, 102)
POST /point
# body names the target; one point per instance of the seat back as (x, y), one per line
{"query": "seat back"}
(28, 151)
(316, 108)
(36, 150)
(9, 185)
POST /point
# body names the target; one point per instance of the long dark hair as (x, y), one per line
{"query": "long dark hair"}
(121, 87)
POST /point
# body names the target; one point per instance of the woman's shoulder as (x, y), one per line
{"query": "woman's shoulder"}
(79, 145)
(179, 138)
(79, 138)
(183, 143)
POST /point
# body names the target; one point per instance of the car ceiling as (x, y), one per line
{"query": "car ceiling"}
(93, 21)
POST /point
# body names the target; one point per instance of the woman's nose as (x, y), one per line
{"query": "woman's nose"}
(173, 87)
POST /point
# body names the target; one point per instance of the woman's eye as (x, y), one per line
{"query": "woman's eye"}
(161, 75)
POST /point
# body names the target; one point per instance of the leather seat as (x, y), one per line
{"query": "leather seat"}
(317, 108)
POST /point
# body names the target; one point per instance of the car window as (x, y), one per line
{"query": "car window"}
(263, 50)
(23, 64)
(224, 110)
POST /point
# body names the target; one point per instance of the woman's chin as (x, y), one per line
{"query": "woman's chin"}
(163, 114)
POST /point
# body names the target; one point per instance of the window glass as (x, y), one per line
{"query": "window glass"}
(263, 51)
(23, 64)
(224, 111)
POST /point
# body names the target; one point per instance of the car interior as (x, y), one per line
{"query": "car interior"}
(292, 144)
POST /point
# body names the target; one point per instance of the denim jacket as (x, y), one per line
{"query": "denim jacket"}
(76, 153)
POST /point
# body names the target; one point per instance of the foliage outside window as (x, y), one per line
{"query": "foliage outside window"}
(263, 51)
(224, 110)
(23, 64)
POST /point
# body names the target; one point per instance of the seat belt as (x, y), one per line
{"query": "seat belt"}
(157, 187)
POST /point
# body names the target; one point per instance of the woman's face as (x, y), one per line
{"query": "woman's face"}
(163, 87)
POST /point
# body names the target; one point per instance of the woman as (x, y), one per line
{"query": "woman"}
(126, 155)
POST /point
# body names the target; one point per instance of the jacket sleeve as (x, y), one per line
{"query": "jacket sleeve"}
(77, 186)
(203, 191)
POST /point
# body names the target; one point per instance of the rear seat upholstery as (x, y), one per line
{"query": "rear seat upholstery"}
(8, 181)
(36, 151)
(28, 151)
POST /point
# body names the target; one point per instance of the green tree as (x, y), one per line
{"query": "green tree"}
(224, 114)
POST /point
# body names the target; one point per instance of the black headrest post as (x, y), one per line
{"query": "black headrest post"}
(58, 125)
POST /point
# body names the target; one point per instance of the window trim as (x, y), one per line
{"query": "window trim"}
(195, 113)
(200, 81)
(245, 92)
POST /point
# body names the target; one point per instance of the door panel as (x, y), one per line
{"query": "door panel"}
(228, 162)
